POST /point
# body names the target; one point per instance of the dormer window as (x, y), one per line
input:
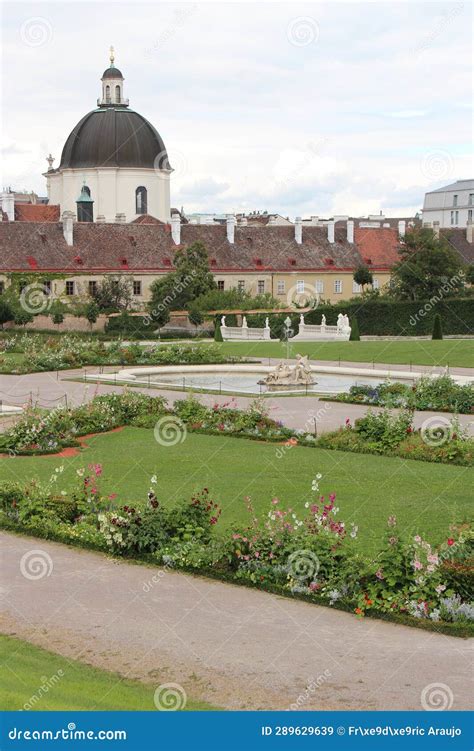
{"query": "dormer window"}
(258, 261)
(123, 262)
(292, 261)
(166, 261)
(329, 261)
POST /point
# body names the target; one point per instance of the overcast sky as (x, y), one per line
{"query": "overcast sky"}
(297, 108)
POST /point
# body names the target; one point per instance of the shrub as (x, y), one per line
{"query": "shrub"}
(437, 328)
(355, 336)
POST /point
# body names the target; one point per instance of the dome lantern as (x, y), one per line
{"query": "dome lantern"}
(112, 86)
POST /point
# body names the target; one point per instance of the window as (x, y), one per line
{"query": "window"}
(300, 286)
(319, 285)
(281, 288)
(47, 286)
(137, 287)
(107, 94)
(241, 285)
(469, 215)
(260, 286)
(141, 200)
(455, 200)
(375, 284)
(356, 287)
(337, 286)
(471, 199)
(69, 288)
(454, 217)
(117, 93)
(92, 288)
(220, 285)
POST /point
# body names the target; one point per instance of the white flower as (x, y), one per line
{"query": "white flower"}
(154, 480)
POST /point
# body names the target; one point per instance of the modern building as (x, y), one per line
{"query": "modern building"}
(451, 205)
(114, 165)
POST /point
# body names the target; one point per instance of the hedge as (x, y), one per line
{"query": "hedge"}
(385, 317)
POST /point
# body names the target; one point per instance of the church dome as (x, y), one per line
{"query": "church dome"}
(114, 137)
(112, 72)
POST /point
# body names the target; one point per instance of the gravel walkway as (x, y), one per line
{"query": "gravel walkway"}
(234, 647)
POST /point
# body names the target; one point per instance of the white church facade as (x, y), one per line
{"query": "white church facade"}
(114, 165)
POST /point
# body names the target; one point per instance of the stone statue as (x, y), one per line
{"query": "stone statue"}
(301, 319)
(223, 321)
(284, 375)
(267, 323)
(244, 323)
(340, 322)
(323, 320)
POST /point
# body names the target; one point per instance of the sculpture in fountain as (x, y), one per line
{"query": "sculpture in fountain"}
(285, 375)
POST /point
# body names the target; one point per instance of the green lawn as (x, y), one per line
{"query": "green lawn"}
(9, 360)
(70, 685)
(425, 497)
(453, 352)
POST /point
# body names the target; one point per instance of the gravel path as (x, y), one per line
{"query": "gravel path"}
(234, 647)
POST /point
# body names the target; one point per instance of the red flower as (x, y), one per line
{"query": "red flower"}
(450, 541)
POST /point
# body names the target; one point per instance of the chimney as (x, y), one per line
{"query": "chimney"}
(176, 228)
(230, 222)
(8, 204)
(298, 230)
(120, 218)
(401, 228)
(436, 229)
(469, 232)
(331, 231)
(68, 224)
(350, 231)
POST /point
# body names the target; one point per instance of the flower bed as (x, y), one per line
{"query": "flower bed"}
(71, 351)
(315, 556)
(392, 434)
(438, 394)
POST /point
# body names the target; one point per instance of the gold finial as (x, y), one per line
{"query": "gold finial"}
(112, 57)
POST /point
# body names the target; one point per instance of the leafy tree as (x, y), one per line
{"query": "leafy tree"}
(234, 298)
(217, 330)
(22, 317)
(437, 327)
(470, 274)
(190, 280)
(363, 276)
(57, 317)
(355, 336)
(113, 294)
(6, 312)
(92, 312)
(428, 267)
(195, 316)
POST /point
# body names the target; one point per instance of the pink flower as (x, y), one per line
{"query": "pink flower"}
(257, 554)
(274, 501)
(417, 538)
(433, 558)
(379, 574)
(417, 565)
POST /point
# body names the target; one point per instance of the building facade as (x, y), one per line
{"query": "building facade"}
(450, 206)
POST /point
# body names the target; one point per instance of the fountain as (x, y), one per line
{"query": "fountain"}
(283, 375)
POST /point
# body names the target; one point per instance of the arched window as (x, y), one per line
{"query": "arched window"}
(117, 93)
(141, 200)
(107, 94)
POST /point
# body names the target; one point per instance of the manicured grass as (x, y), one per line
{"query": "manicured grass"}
(453, 352)
(426, 498)
(70, 685)
(11, 360)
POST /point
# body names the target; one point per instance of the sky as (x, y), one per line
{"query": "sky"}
(301, 109)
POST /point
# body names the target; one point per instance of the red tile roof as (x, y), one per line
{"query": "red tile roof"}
(148, 246)
(36, 212)
(378, 246)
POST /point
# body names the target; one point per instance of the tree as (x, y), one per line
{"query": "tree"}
(92, 312)
(57, 318)
(428, 268)
(355, 336)
(113, 294)
(217, 330)
(22, 317)
(363, 276)
(469, 277)
(437, 327)
(190, 280)
(195, 316)
(6, 312)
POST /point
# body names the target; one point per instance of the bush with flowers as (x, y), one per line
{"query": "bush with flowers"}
(312, 555)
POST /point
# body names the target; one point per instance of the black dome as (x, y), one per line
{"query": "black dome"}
(114, 137)
(112, 72)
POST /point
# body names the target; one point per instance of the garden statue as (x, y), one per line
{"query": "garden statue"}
(284, 375)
